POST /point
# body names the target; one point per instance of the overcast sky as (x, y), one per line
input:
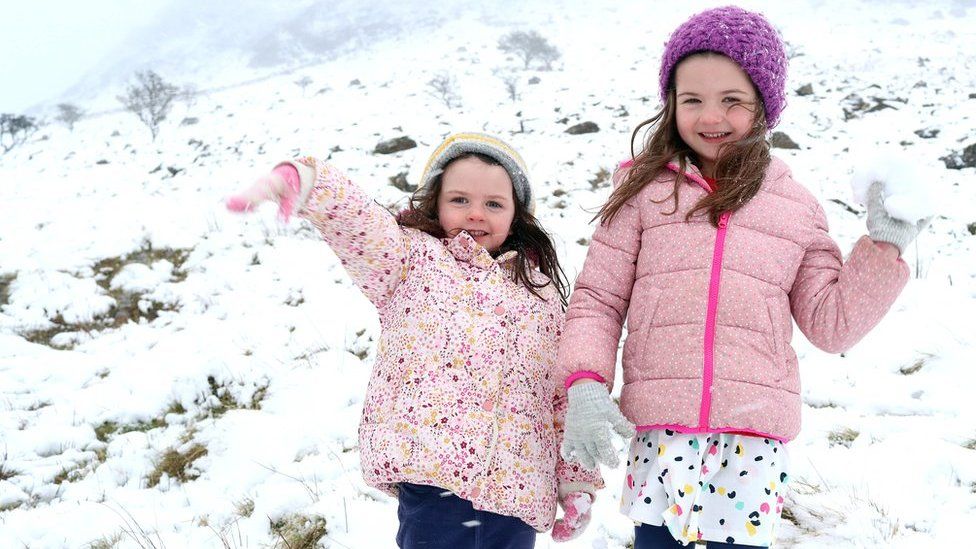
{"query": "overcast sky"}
(49, 44)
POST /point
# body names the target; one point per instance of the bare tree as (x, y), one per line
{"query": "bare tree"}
(69, 113)
(150, 99)
(303, 83)
(15, 129)
(442, 87)
(529, 46)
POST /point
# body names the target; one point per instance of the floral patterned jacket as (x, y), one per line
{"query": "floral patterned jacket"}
(461, 395)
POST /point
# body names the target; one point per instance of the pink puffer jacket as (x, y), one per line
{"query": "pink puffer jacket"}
(709, 310)
(461, 395)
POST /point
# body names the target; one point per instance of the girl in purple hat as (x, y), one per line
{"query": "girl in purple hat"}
(710, 250)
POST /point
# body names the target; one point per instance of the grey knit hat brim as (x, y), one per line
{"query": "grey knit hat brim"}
(460, 144)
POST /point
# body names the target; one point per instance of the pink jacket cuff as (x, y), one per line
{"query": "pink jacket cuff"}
(584, 374)
(290, 174)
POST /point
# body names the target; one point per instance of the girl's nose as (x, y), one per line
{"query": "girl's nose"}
(712, 114)
(476, 212)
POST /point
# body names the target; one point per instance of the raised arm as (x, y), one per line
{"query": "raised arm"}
(370, 244)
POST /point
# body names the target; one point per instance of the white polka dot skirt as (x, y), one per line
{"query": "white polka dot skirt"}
(711, 487)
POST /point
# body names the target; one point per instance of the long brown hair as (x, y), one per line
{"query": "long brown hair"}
(532, 244)
(739, 170)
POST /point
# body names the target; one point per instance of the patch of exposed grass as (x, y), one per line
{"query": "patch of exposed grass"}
(843, 437)
(176, 464)
(129, 306)
(7, 473)
(226, 400)
(5, 282)
(970, 444)
(107, 268)
(108, 428)
(35, 406)
(10, 506)
(258, 397)
(67, 474)
(299, 531)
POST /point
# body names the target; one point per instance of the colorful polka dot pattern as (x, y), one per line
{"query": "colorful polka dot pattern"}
(718, 487)
(653, 268)
(461, 394)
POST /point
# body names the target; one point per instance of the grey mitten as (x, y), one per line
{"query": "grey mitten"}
(589, 416)
(884, 228)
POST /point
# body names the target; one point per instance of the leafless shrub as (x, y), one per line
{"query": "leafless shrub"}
(68, 114)
(303, 83)
(15, 130)
(442, 87)
(529, 46)
(150, 99)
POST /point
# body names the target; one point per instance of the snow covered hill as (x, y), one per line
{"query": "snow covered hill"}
(172, 375)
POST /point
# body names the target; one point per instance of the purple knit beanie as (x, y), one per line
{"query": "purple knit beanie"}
(745, 37)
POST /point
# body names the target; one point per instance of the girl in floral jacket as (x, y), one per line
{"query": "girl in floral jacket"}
(710, 249)
(462, 418)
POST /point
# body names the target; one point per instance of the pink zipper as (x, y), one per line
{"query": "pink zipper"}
(709, 366)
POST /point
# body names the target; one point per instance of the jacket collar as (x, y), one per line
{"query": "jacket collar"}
(464, 248)
(693, 174)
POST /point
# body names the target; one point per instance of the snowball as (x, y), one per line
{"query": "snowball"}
(910, 187)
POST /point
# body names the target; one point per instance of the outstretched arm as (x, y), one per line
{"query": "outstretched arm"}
(367, 239)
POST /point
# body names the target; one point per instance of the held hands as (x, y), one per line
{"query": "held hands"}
(884, 228)
(587, 435)
(268, 187)
(576, 515)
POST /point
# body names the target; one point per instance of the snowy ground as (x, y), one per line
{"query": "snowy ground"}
(142, 325)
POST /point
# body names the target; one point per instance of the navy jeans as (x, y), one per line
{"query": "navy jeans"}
(430, 520)
(659, 537)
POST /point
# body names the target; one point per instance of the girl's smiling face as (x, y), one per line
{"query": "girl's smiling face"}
(716, 104)
(476, 197)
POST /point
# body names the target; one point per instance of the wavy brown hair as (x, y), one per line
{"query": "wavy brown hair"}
(532, 244)
(739, 170)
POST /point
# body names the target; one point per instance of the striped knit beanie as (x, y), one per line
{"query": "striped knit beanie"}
(462, 143)
(745, 37)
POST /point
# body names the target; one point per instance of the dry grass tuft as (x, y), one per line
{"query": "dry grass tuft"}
(106, 542)
(843, 437)
(244, 508)
(7, 473)
(176, 464)
(298, 531)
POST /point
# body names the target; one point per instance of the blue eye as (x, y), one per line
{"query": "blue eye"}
(493, 204)
(691, 100)
(459, 200)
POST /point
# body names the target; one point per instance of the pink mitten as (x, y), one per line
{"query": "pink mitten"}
(281, 185)
(576, 515)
